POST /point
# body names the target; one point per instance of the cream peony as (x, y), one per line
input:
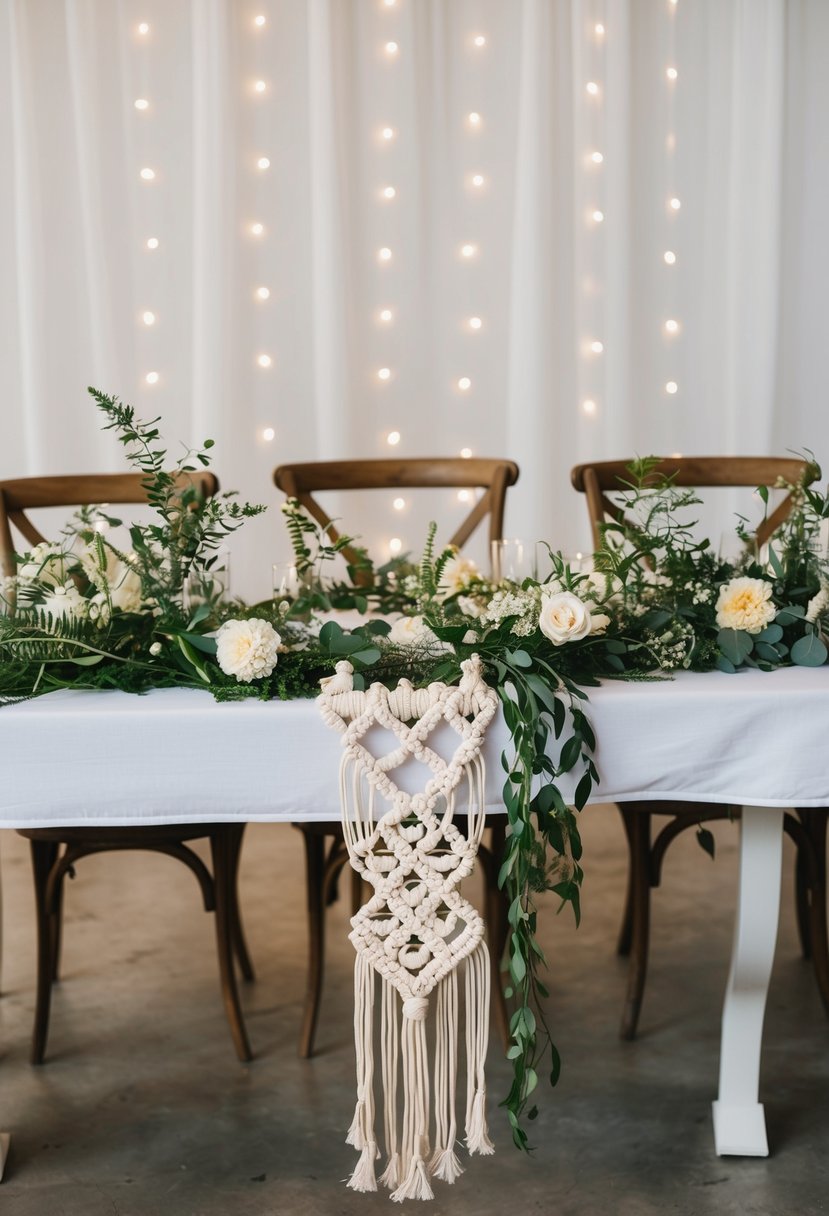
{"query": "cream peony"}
(247, 649)
(457, 574)
(745, 603)
(411, 631)
(124, 586)
(564, 618)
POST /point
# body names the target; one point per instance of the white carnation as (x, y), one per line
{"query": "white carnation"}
(248, 649)
(745, 603)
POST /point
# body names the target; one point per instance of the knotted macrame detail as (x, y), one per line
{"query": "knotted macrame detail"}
(416, 933)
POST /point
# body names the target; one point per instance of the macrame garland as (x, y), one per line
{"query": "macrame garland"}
(416, 932)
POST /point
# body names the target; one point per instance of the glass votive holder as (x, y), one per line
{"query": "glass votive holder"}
(285, 581)
(509, 561)
(208, 586)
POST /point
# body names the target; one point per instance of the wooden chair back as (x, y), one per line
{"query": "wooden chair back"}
(30, 493)
(598, 480)
(302, 481)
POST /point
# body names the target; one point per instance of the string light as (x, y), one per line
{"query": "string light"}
(263, 163)
(672, 327)
(475, 322)
(597, 347)
(474, 119)
(597, 217)
(259, 21)
(464, 495)
(148, 318)
(479, 40)
(399, 504)
(147, 175)
(386, 315)
(387, 133)
(151, 377)
(152, 242)
(263, 293)
(264, 360)
(389, 192)
(674, 204)
(468, 251)
(389, 3)
(395, 544)
(268, 434)
(393, 438)
(598, 29)
(477, 180)
(671, 73)
(588, 406)
(391, 49)
(464, 384)
(143, 28)
(384, 373)
(260, 86)
(592, 88)
(596, 158)
(465, 453)
(671, 387)
(141, 103)
(257, 229)
(669, 256)
(384, 254)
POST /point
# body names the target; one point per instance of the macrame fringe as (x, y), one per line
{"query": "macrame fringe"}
(477, 1040)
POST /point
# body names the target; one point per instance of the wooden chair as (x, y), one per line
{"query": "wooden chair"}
(807, 827)
(325, 852)
(55, 851)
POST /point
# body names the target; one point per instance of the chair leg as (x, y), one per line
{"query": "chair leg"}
(803, 903)
(626, 929)
(640, 842)
(315, 899)
(240, 949)
(57, 929)
(223, 877)
(44, 854)
(497, 927)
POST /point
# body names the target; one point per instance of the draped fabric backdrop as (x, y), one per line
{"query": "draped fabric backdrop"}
(517, 161)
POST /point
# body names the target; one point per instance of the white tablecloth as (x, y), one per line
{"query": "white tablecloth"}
(176, 755)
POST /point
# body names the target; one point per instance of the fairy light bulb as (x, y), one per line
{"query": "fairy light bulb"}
(672, 327)
(386, 315)
(671, 387)
(464, 384)
(389, 192)
(264, 360)
(148, 318)
(475, 322)
(259, 21)
(263, 163)
(479, 40)
(151, 377)
(465, 453)
(597, 347)
(464, 495)
(260, 86)
(152, 242)
(474, 119)
(588, 406)
(468, 250)
(669, 257)
(387, 133)
(393, 438)
(477, 180)
(147, 175)
(596, 158)
(592, 88)
(384, 373)
(671, 73)
(263, 293)
(143, 29)
(674, 204)
(391, 49)
(268, 434)
(598, 29)
(395, 545)
(384, 254)
(141, 103)
(257, 229)
(597, 217)
(399, 504)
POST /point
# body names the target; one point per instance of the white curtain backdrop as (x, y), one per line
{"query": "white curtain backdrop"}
(533, 149)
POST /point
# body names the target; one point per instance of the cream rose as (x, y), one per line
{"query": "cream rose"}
(65, 602)
(457, 574)
(411, 631)
(745, 603)
(248, 649)
(564, 618)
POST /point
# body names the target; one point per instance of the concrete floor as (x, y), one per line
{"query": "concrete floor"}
(142, 1109)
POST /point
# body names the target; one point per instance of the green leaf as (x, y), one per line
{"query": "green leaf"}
(771, 634)
(735, 644)
(775, 563)
(518, 658)
(705, 840)
(809, 651)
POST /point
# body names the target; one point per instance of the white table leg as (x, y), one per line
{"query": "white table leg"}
(739, 1122)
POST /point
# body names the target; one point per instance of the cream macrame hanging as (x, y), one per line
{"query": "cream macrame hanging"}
(416, 931)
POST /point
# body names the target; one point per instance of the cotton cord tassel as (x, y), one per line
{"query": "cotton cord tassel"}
(477, 1041)
(415, 1144)
(445, 1164)
(390, 1044)
(361, 1133)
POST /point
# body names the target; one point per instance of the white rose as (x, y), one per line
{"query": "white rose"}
(45, 563)
(411, 631)
(124, 587)
(457, 574)
(248, 649)
(606, 588)
(563, 618)
(745, 603)
(469, 607)
(65, 602)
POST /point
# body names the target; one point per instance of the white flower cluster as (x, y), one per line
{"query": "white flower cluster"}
(412, 631)
(818, 604)
(745, 603)
(523, 605)
(247, 649)
(671, 649)
(457, 575)
(46, 573)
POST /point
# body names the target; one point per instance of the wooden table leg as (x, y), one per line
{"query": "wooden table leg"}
(739, 1121)
(5, 1139)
